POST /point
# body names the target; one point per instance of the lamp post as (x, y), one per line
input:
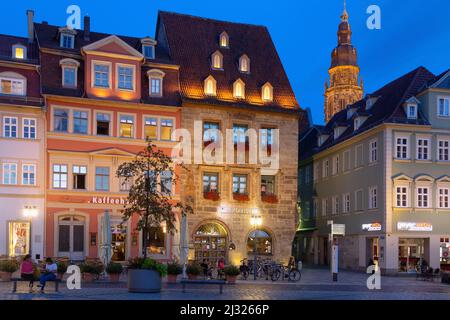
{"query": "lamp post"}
(255, 222)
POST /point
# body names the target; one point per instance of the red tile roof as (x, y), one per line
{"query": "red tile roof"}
(191, 41)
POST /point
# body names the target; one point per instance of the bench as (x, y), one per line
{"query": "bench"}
(210, 282)
(15, 280)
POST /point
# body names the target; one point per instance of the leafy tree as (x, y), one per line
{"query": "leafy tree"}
(151, 175)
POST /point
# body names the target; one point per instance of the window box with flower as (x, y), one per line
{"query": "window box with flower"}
(211, 195)
(241, 197)
(269, 198)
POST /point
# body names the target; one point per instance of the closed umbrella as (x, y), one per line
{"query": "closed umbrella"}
(106, 238)
(184, 243)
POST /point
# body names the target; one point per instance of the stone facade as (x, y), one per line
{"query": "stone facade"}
(279, 219)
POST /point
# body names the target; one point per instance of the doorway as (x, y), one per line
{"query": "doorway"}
(71, 234)
(411, 253)
(210, 243)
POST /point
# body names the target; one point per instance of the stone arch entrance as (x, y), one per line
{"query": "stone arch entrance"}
(211, 242)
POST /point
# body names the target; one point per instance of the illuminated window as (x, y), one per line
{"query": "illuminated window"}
(224, 40)
(210, 182)
(267, 185)
(126, 126)
(239, 89)
(267, 92)
(217, 60)
(210, 86)
(12, 86)
(19, 52)
(244, 64)
(263, 245)
(166, 129)
(151, 128)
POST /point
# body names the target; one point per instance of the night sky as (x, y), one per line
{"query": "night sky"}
(413, 32)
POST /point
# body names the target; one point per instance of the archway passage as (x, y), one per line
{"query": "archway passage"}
(210, 242)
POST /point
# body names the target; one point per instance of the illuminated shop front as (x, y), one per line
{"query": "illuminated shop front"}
(19, 238)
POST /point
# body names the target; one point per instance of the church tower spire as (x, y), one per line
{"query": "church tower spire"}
(345, 86)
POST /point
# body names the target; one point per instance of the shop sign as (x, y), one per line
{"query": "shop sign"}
(338, 229)
(238, 210)
(108, 200)
(414, 226)
(371, 226)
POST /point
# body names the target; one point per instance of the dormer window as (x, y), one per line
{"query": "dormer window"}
(239, 89)
(210, 86)
(412, 111)
(350, 112)
(125, 77)
(338, 131)
(267, 92)
(244, 64)
(102, 75)
(155, 79)
(19, 52)
(69, 68)
(357, 123)
(12, 83)
(148, 48)
(217, 60)
(224, 40)
(321, 139)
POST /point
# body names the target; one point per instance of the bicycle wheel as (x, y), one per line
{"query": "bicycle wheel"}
(295, 275)
(276, 275)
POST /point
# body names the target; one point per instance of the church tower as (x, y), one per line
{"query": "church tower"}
(344, 87)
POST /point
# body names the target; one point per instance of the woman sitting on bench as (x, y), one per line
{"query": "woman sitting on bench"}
(27, 271)
(50, 273)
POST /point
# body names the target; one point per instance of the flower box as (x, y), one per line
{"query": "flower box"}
(211, 195)
(269, 198)
(240, 197)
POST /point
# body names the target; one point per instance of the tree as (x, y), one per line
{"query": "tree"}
(152, 175)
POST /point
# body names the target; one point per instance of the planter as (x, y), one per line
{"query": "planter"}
(6, 276)
(269, 198)
(89, 277)
(172, 278)
(231, 279)
(192, 276)
(211, 195)
(240, 197)
(114, 277)
(142, 280)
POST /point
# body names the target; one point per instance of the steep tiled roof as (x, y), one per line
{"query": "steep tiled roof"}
(191, 42)
(6, 44)
(48, 38)
(386, 109)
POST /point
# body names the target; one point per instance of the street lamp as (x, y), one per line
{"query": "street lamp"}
(255, 221)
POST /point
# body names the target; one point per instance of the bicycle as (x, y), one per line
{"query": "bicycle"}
(244, 269)
(283, 272)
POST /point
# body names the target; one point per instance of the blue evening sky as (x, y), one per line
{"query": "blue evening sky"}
(413, 32)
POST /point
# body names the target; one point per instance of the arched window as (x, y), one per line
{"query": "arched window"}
(244, 64)
(12, 83)
(224, 40)
(69, 69)
(261, 241)
(239, 89)
(155, 79)
(267, 92)
(210, 242)
(210, 86)
(217, 60)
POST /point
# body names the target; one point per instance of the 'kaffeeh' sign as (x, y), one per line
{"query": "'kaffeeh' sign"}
(414, 226)
(108, 200)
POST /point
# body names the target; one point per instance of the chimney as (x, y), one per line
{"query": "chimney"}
(30, 15)
(87, 28)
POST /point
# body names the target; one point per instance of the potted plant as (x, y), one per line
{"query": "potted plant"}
(173, 270)
(91, 271)
(144, 275)
(269, 198)
(231, 273)
(193, 270)
(7, 268)
(211, 195)
(151, 202)
(240, 197)
(114, 270)
(62, 268)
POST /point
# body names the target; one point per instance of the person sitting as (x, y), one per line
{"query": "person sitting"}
(27, 271)
(50, 273)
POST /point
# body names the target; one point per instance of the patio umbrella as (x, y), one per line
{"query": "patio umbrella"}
(184, 243)
(105, 253)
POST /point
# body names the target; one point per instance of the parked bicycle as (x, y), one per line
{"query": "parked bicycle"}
(290, 272)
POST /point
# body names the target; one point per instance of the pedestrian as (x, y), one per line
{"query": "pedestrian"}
(221, 267)
(49, 274)
(205, 268)
(27, 271)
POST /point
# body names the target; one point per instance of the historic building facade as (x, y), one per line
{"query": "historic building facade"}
(380, 167)
(104, 96)
(227, 84)
(22, 136)
(345, 86)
